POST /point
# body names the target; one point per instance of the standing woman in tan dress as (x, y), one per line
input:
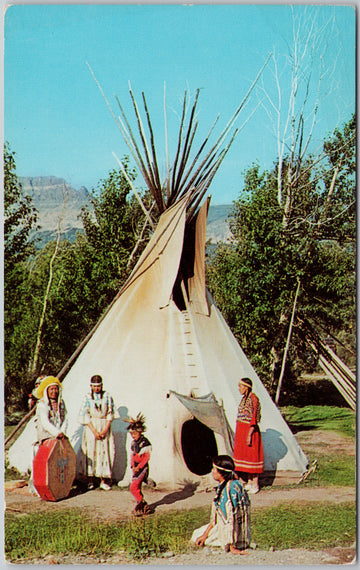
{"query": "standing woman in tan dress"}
(98, 446)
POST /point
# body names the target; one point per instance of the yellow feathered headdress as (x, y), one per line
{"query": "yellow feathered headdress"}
(44, 384)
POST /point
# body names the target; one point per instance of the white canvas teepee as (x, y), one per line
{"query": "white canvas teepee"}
(147, 349)
(164, 349)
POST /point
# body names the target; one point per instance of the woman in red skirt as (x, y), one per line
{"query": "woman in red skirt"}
(248, 447)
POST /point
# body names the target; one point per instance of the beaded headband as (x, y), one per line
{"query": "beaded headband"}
(223, 468)
(247, 384)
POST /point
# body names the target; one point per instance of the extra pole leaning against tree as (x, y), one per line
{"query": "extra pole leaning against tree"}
(277, 396)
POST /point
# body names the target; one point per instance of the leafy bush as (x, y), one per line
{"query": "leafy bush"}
(11, 473)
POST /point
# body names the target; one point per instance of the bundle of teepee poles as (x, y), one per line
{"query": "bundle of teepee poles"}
(335, 369)
(190, 170)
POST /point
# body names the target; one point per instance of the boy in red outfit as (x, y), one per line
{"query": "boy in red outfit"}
(140, 455)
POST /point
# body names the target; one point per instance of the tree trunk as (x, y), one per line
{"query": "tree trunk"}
(35, 360)
(43, 314)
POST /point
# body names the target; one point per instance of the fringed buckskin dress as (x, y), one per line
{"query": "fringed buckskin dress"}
(98, 455)
(248, 459)
(230, 516)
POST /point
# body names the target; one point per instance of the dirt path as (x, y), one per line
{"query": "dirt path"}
(117, 504)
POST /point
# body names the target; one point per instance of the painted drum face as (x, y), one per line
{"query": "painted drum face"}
(54, 469)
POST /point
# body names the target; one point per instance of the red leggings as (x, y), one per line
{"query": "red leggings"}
(135, 487)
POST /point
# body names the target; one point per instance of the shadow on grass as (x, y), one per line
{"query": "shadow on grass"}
(295, 428)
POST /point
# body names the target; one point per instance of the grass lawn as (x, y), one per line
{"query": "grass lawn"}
(341, 420)
(316, 526)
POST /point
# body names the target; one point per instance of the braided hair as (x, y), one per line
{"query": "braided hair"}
(225, 466)
(96, 379)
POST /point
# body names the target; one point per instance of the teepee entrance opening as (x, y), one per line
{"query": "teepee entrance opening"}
(198, 446)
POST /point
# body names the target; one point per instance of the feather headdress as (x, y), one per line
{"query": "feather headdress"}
(137, 424)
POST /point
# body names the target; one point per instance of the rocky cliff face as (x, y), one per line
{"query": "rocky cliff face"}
(57, 202)
(217, 225)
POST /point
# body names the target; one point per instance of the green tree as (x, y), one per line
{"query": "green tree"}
(254, 280)
(20, 216)
(115, 229)
(19, 219)
(86, 275)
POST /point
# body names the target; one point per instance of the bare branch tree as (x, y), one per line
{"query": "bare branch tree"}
(291, 99)
(292, 105)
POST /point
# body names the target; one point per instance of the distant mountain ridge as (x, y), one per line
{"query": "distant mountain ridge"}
(217, 225)
(56, 201)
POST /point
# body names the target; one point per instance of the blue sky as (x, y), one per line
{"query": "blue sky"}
(57, 122)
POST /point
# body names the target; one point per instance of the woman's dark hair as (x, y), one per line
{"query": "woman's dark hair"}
(248, 382)
(96, 379)
(225, 465)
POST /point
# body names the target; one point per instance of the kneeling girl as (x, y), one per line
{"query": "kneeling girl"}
(230, 513)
